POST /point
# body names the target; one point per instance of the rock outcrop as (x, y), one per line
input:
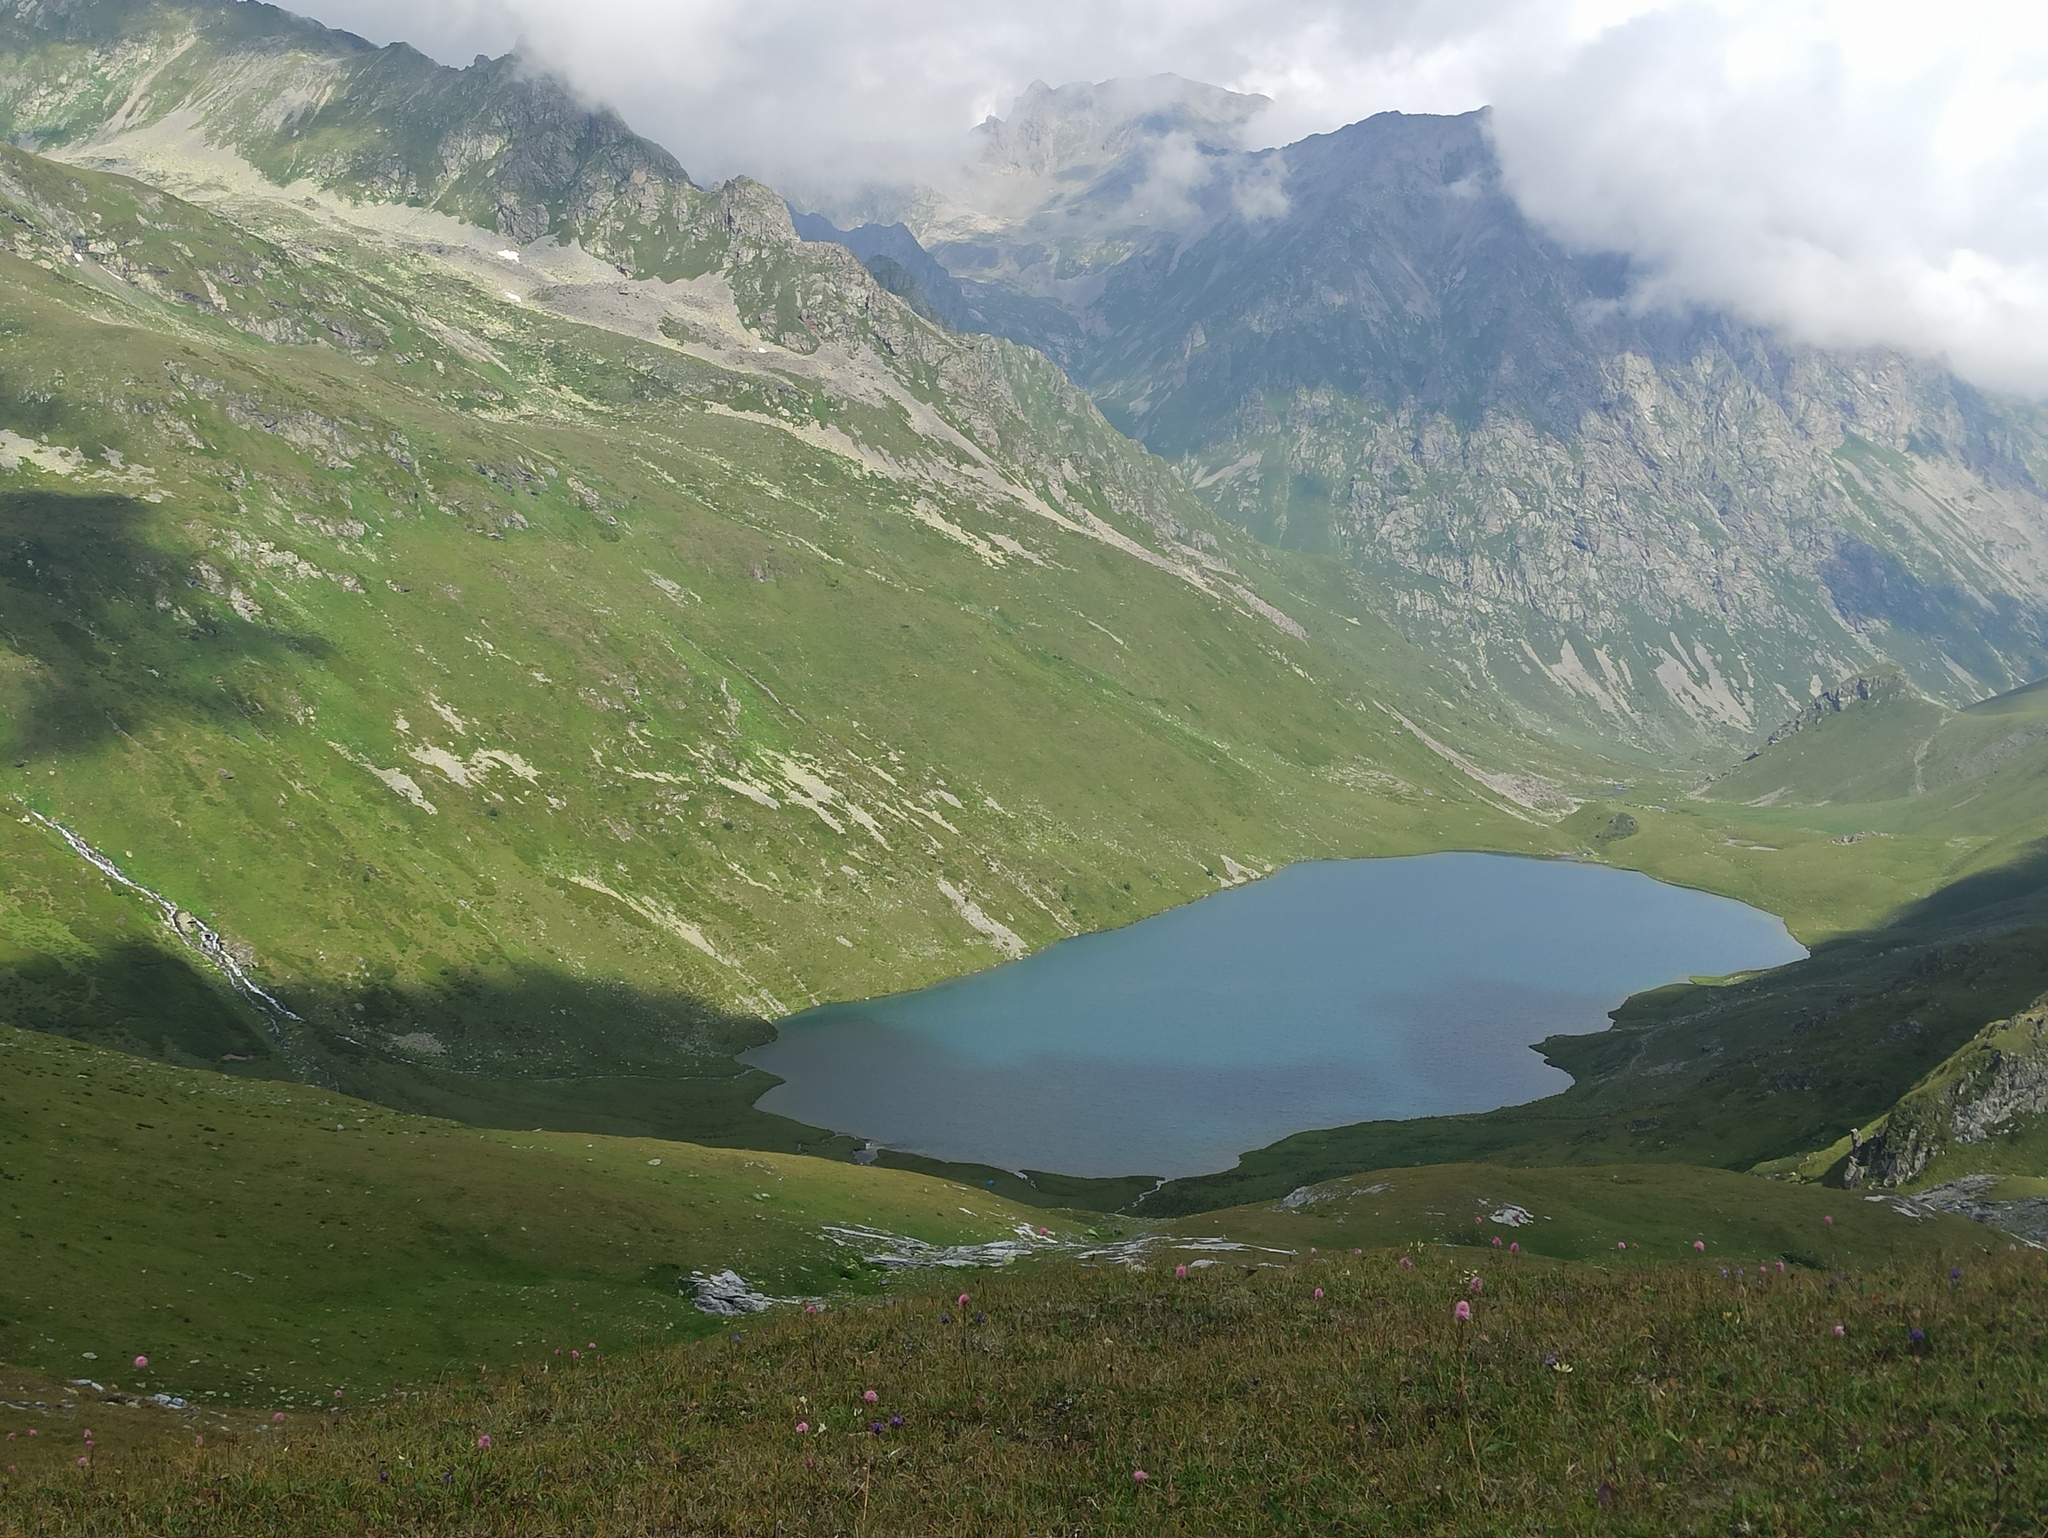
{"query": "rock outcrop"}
(1995, 1086)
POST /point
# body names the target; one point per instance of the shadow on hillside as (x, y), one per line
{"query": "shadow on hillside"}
(531, 1046)
(527, 1048)
(137, 998)
(119, 631)
(2015, 892)
(1728, 1076)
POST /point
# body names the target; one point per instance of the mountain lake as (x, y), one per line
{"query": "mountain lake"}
(1330, 992)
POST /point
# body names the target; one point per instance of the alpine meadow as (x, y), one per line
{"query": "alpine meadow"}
(502, 642)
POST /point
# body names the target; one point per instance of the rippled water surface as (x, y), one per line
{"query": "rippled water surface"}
(1332, 992)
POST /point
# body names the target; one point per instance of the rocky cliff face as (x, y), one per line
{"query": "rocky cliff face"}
(1670, 530)
(498, 144)
(1994, 1087)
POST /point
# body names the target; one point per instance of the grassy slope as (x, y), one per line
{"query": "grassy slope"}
(269, 1243)
(266, 1242)
(317, 568)
(1638, 1399)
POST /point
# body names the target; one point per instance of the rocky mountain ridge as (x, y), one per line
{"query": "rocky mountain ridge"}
(1668, 530)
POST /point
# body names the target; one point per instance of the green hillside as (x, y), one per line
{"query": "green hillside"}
(267, 1244)
(522, 621)
(534, 708)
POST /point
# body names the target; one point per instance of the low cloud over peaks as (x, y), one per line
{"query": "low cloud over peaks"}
(1853, 174)
(1851, 171)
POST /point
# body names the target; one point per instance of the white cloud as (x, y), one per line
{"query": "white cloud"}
(1849, 172)
(1854, 171)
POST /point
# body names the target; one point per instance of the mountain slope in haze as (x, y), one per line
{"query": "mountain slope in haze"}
(532, 674)
(1664, 530)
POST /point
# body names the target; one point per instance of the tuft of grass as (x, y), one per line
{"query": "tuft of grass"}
(1664, 1400)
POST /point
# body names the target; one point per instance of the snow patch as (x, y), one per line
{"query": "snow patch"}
(470, 772)
(395, 780)
(1573, 676)
(1708, 699)
(656, 913)
(1001, 936)
(1524, 790)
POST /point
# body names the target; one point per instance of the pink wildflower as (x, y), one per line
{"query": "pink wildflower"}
(1515, 1248)
(337, 1393)
(1496, 1241)
(484, 1441)
(1463, 1310)
(1319, 1294)
(1475, 1284)
(803, 1428)
(1138, 1476)
(1839, 1331)
(1181, 1272)
(81, 1463)
(1700, 1245)
(962, 1300)
(869, 1396)
(142, 1361)
(1781, 1267)
(277, 1419)
(1407, 1264)
(578, 1355)
(1621, 1244)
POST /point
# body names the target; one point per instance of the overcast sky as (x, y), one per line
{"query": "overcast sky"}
(1853, 171)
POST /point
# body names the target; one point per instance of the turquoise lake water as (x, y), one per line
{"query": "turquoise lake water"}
(1331, 992)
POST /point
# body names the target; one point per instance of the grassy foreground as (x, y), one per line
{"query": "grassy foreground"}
(265, 1244)
(1662, 1399)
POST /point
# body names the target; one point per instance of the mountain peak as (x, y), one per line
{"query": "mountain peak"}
(1056, 130)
